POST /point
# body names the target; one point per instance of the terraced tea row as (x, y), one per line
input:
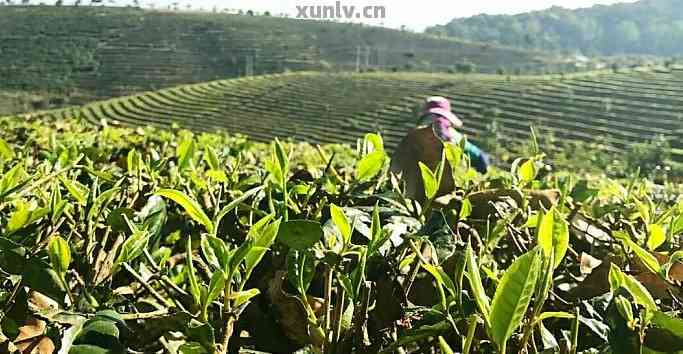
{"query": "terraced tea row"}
(613, 110)
(108, 52)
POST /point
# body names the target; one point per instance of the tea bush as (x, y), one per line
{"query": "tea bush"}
(147, 240)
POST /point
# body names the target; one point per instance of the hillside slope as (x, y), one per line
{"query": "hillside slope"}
(645, 27)
(610, 110)
(106, 52)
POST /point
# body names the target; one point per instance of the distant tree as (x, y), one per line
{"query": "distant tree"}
(59, 3)
(267, 13)
(25, 2)
(643, 27)
(250, 13)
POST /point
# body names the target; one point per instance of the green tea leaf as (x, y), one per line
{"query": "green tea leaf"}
(377, 237)
(216, 287)
(513, 296)
(77, 190)
(648, 259)
(192, 348)
(218, 176)
(476, 285)
(677, 226)
(192, 278)
(282, 157)
(132, 247)
(11, 179)
(235, 203)
(375, 140)
(527, 171)
(342, 223)
(624, 307)
(211, 158)
(99, 334)
(193, 209)
(300, 270)
(6, 152)
(263, 238)
(60, 254)
(453, 154)
(153, 216)
(553, 236)
(370, 165)
(640, 294)
(445, 348)
(441, 277)
(671, 324)
(300, 234)
(103, 199)
(216, 252)
(134, 162)
(429, 179)
(238, 255)
(20, 217)
(273, 167)
(615, 278)
(676, 257)
(185, 153)
(559, 314)
(465, 209)
(242, 297)
(656, 237)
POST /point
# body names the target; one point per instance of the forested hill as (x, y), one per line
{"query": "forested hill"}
(645, 27)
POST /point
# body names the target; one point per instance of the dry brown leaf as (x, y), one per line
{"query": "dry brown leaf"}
(38, 302)
(588, 263)
(32, 339)
(597, 283)
(676, 273)
(291, 312)
(105, 261)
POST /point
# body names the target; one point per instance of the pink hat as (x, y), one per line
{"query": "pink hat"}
(441, 106)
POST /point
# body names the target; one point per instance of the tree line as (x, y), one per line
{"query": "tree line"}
(645, 27)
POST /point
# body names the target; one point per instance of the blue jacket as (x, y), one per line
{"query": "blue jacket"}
(479, 159)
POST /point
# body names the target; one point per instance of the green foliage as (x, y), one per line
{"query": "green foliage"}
(191, 207)
(513, 296)
(638, 28)
(300, 250)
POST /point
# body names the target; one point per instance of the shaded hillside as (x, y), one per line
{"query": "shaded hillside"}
(106, 52)
(652, 27)
(612, 111)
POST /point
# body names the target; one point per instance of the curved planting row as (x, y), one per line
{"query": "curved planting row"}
(612, 109)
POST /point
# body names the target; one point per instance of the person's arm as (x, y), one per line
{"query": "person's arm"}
(478, 158)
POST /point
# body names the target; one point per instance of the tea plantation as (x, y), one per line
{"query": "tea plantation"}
(609, 111)
(105, 52)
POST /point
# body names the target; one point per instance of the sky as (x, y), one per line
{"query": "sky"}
(415, 15)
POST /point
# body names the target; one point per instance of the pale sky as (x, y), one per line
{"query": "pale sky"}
(416, 15)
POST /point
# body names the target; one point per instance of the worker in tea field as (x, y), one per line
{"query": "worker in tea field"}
(437, 125)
